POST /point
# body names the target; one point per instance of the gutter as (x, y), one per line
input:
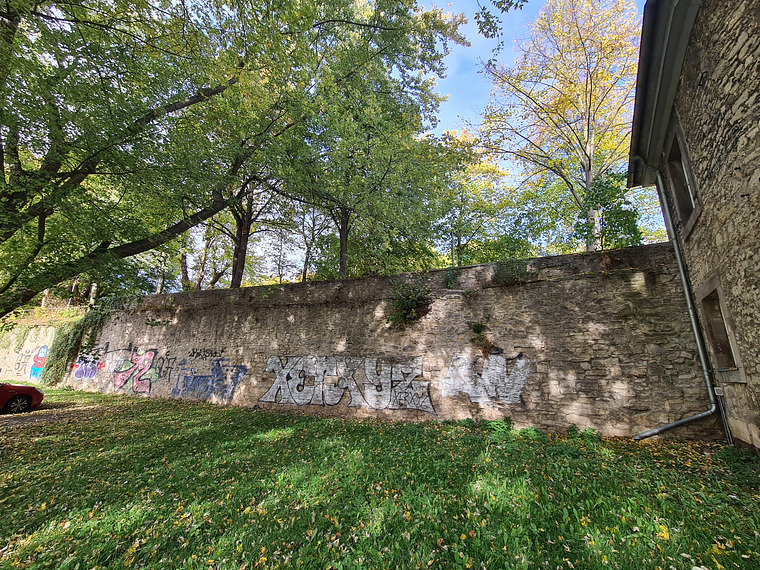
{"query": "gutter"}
(696, 329)
(665, 32)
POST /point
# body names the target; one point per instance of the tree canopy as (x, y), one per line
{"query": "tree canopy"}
(124, 124)
(563, 110)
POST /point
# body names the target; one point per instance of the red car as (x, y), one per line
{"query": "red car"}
(15, 398)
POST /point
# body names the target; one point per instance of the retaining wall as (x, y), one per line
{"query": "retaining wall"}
(596, 340)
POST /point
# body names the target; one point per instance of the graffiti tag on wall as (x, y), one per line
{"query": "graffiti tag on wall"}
(128, 368)
(38, 362)
(205, 353)
(374, 383)
(220, 382)
(30, 362)
(136, 370)
(22, 359)
(139, 372)
(493, 385)
(86, 368)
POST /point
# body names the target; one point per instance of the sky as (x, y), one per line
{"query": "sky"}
(466, 88)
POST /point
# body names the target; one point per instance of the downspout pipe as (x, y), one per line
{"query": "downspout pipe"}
(703, 360)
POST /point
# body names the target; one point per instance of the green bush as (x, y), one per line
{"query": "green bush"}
(497, 426)
(410, 300)
(563, 449)
(534, 434)
(590, 435)
(452, 278)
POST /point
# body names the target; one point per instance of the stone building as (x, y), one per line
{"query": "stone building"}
(696, 135)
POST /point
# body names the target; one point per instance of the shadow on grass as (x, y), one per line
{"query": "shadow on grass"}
(164, 484)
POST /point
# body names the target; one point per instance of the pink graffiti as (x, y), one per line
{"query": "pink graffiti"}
(141, 363)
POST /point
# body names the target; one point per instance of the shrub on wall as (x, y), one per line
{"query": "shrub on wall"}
(410, 300)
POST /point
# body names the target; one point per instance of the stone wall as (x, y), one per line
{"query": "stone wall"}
(23, 352)
(718, 108)
(595, 340)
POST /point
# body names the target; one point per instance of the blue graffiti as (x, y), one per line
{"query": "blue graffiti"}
(221, 381)
(39, 363)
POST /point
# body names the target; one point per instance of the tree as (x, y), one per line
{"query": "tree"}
(489, 23)
(563, 111)
(616, 224)
(124, 124)
(481, 223)
(362, 160)
(310, 226)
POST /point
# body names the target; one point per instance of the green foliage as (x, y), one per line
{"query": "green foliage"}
(534, 434)
(510, 272)
(410, 300)
(479, 337)
(590, 435)
(20, 331)
(63, 351)
(488, 20)
(452, 278)
(77, 338)
(126, 124)
(562, 113)
(479, 223)
(128, 482)
(618, 223)
(564, 450)
(500, 427)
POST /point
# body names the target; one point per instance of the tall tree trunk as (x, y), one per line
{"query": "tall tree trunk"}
(239, 255)
(217, 275)
(243, 221)
(306, 262)
(594, 238)
(343, 229)
(201, 268)
(186, 285)
(94, 293)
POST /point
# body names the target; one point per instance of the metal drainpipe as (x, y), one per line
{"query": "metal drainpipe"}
(706, 370)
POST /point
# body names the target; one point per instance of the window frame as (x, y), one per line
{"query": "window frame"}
(686, 188)
(712, 288)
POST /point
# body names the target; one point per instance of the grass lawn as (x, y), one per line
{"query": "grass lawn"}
(92, 481)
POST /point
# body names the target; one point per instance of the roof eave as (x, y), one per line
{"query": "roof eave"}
(665, 35)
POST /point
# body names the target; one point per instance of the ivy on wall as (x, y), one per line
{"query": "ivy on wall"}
(77, 338)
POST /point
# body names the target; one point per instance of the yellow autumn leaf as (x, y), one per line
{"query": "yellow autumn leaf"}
(664, 534)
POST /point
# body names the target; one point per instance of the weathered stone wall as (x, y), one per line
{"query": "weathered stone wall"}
(718, 108)
(595, 340)
(23, 352)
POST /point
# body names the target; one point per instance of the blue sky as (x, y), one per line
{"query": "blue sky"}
(467, 89)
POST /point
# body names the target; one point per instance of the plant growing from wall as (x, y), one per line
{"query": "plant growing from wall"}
(510, 272)
(77, 338)
(21, 332)
(410, 300)
(480, 338)
(452, 278)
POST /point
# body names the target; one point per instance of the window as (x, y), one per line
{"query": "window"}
(682, 183)
(717, 332)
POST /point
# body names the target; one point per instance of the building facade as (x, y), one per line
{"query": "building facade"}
(696, 135)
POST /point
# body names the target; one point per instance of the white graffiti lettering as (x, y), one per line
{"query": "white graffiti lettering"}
(493, 385)
(324, 380)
